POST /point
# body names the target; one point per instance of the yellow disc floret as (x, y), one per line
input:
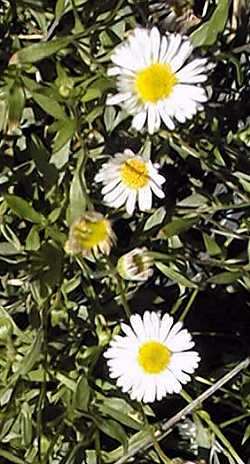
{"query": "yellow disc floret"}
(155, 82)
(153, 357)
(134, 173)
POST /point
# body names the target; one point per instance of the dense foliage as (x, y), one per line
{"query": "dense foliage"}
(58, 311)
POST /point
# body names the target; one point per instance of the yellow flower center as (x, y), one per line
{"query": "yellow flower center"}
(90, 234)
(155, 82)
(153, 357)
(134, 173)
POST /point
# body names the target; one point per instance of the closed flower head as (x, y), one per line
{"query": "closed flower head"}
(128, 178)
(90, 234)
(153, 359)
(154, 83)
(136, 265)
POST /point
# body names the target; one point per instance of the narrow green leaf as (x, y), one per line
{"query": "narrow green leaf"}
(224, 278)
(82, 394)
(156, 218)
(16, 102)
(176, 227)
(32, 356)
(39, 51)
(8, 249)
(23, 209)
(66, 130)
(175, 275)
(32, 242)
(207, 33)
(113, 429)
(119, 416)
(11, 457)
(26, 425)
(49, 105)
(246, 435)
(77, 195)
(60, 8)
(211, 246)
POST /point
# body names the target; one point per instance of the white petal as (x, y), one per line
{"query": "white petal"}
(115, 193)
(157, 191)
(145, 198)
(111, 185)
(155, 44)
(139, 120)
(152, 115)
(174, 43)
(118, 98)
(166, 324)
(130, 204)
(163, 49)
(137, 325)
(183, 53)
(165, 116)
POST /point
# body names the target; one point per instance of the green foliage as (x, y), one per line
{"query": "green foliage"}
(59, 312)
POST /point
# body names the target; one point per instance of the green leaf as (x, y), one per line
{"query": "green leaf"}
(32, 356)
(32, 242)
(175, 275)
(61, 157)
(119, 410)
(246, 435)
(176, 227)
(211, 246)
(113, 429)
(8, 249)
(156, 218)
(11, 457)
(39, 51)
(66, 130)
(16, 102)
(77, 194)
(26, 425)
(60, 8)
(82, 394)
(49, 105)
(207, 33)
(225, 278)
(23, 209)
(195, 200)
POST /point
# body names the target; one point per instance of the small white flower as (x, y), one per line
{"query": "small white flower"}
(153, 82)
(128, 177)
(152, 359)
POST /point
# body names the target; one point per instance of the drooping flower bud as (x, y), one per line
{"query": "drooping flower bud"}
(90, 234)
(136, 265)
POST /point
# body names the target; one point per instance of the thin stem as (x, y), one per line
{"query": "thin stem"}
(123, 296)
(119, 282)
(234, 420)
(189, 304)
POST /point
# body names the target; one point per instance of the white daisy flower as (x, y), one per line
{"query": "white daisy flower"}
(153, 82)
(153, 358)
(128, 177)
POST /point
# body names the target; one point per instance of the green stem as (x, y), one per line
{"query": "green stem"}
(189, 304)
(234, 420)
(123, 296)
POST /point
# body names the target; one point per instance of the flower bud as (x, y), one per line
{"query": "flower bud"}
(135, 265)
(91, 233)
